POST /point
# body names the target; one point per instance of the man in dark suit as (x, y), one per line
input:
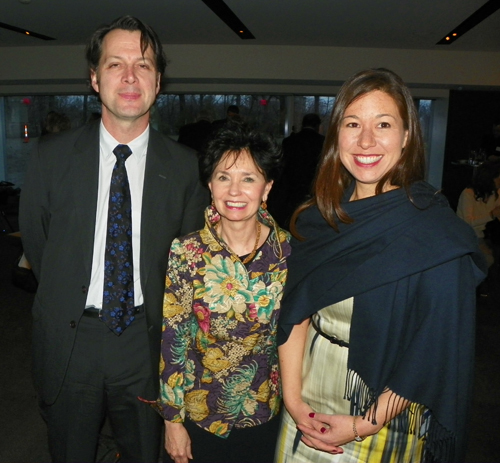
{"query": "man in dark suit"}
(196, 134)
(301, 152)
(83, 369)
(233, 112)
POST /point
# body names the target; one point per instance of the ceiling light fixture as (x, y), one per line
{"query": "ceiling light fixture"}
(229, 18)
(473, 20)
(25, 32)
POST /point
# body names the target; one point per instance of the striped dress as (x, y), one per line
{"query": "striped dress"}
(324, 373)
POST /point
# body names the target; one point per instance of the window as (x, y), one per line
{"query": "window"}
(264, 111)
(24, 117)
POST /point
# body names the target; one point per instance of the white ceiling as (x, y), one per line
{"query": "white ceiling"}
(411, 24)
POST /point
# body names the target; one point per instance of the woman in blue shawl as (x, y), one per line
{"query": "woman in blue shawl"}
(377, 323)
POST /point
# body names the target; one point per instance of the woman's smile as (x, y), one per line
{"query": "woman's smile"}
(367, 160)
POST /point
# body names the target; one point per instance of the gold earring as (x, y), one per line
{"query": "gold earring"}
(264, 205)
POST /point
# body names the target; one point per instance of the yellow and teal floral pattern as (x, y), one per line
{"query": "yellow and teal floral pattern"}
(219, 362)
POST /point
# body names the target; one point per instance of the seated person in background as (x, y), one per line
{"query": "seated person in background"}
(480, 203)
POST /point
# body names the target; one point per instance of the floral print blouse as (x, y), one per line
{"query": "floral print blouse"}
(219, 363)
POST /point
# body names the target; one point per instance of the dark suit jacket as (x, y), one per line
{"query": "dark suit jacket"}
(301, 153)
(195, 135)
(57, 221)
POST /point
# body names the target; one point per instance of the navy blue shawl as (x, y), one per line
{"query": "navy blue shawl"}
(412, 267)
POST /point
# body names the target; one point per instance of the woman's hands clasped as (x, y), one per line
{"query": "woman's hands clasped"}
(328, 432)
(311, 426)
(177, 442)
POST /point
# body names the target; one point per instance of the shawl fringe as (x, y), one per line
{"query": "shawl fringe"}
(439, 442)
(361, 396)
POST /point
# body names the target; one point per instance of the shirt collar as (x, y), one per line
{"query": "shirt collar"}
(138, 145)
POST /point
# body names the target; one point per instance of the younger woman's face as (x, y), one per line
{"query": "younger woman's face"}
(371, 139)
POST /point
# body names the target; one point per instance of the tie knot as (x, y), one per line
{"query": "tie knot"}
(122, 152)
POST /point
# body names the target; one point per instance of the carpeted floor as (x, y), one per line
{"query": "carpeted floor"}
(22, 438)
(22, 431)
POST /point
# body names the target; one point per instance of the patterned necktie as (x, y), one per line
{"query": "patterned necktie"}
(118, 297)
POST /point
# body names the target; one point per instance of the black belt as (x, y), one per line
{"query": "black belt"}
(95, 312)
(332, 339)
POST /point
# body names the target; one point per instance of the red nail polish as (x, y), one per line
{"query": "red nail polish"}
(311, 415)
(322, 430)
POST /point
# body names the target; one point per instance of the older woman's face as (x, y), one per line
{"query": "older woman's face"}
(371, 139)
(238, 187)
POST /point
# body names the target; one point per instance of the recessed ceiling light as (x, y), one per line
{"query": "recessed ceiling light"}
(473, 20)
(25, 32)
(229, 18)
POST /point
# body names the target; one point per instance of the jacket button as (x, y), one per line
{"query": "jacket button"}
(72, 324)
(84, 289)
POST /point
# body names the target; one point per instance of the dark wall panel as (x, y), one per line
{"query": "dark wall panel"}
(471, 115)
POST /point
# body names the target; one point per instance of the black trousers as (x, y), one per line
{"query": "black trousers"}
(105, 375)
(248, 445)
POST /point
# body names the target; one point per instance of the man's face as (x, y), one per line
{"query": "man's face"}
(127, 81)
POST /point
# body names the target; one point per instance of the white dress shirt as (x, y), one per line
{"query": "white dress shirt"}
(135, 165)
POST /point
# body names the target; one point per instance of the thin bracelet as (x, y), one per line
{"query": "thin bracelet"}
(357, 437)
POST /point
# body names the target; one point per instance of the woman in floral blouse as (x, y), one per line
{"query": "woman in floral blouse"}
(220, 389)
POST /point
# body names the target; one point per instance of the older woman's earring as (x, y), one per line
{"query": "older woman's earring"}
(264, 205)
(213, 204)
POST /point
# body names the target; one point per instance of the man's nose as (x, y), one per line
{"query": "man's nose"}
(129, 74)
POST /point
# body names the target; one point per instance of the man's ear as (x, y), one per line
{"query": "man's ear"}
(94, 81)
(158, 83)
